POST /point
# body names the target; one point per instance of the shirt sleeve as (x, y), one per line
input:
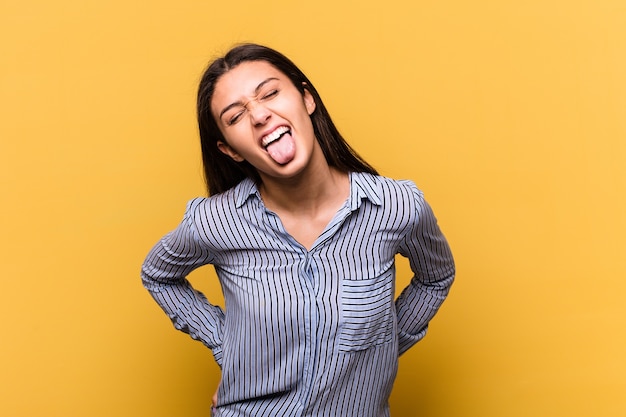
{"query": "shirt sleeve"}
(433, 267)
(164, 273)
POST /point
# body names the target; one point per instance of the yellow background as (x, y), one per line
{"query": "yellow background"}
(510, 115)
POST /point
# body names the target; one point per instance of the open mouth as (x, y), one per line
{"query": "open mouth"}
(274, 136)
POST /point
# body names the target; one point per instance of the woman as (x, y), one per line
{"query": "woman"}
(303, 234)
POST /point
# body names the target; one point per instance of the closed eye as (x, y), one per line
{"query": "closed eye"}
(269, 95)
(236, 117)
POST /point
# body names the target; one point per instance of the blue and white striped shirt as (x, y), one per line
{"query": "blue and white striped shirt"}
(305, 332)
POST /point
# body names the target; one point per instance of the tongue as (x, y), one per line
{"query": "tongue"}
(282, 150)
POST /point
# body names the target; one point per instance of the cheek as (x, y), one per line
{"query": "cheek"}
(238, 137)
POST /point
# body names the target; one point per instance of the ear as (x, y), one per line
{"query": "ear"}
(309, 101)
(226, 149)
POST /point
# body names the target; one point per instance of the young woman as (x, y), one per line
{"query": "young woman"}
(303, 234)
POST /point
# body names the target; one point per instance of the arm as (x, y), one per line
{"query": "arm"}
(433, 268)
(164, 273)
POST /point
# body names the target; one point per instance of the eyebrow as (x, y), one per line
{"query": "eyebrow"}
(256, 91)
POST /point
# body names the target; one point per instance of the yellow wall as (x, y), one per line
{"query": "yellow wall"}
(510, 115)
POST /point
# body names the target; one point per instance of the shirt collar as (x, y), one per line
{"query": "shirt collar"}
(244, 190)
(362, 186)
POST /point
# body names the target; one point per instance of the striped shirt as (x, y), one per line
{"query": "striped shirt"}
(305, 332)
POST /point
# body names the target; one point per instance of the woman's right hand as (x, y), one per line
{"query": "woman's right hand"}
(214, 402)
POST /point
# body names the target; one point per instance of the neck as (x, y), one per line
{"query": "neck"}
(306, 193)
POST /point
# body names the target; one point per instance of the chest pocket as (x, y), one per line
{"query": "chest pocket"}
(368, 313)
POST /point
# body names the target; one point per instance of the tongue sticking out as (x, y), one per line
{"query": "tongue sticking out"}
(282, 150)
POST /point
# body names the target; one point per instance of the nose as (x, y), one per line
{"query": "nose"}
(259, 114)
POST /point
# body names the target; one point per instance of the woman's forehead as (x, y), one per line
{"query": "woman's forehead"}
(243, 81)
(246, 76)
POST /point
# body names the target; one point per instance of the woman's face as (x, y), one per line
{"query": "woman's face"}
(265, 120)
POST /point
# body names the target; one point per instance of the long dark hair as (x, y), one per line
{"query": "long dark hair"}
(221, 172)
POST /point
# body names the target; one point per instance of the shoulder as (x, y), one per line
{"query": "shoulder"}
(225, 202)
(387, 190)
